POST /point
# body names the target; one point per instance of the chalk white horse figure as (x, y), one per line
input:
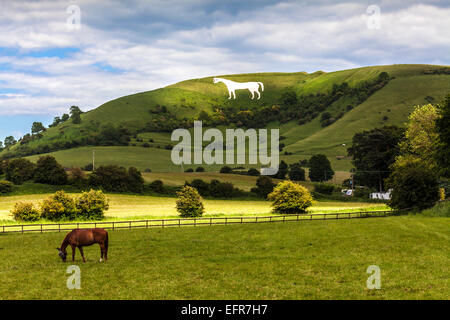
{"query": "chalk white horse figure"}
(232, 86)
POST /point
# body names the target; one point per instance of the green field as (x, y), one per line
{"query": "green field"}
(125, 207)
(307, 260)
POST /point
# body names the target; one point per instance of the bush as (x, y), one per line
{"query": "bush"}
(110, 178)
(201, 186)
(59, 206)
(200, 169)
(77, 178)
(25, 211)
(297, 173)
(189, 202)
(226, 169)
(264, 186)
(91, 205)
(221, 189)
(290, 198)
(323, 188)
(189, 170)
(415, 186)
(320, 168)
(135, 180)
(49, 171)
(157, 186)
(253, 172)
(19, 170)
(6, 186)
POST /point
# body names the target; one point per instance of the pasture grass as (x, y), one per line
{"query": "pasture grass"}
(129, 207)
(306, 260)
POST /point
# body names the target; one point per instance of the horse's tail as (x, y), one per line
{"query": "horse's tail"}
(262, 86)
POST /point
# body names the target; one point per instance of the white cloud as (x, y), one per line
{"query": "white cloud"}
(157, 43)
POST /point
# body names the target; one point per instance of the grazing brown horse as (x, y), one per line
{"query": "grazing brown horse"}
(79, 238)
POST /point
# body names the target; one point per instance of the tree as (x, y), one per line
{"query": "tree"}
(75, 113)
(56, 121)
(189, 202)
(296, 172)
(110, 178)
(37, 127)
(19, 170)
(443, 129)
(282, 170)
(49, 171)
(290, 198)
(415, 185)
(136, 182)
(264, 186)
(421, 135)
(65, 117)
(373, 153)
(320, 168)
(10, 141)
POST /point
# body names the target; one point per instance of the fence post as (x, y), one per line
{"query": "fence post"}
(22, 228)
(210, 221)
(129, 224)
(179, 223)
(41, 227)
(242, 220)
(162, 223)
(226, 221)
(195, 222)
(113, 225)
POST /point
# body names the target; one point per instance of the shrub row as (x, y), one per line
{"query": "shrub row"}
(60, 207)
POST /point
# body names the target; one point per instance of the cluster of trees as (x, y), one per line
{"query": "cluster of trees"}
(302, 108)
(414, 161)
(37, 129)
(48, 171)
(215, 188)
(60, 206)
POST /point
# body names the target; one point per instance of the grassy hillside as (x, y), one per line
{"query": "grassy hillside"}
(409, 85)
(308, 260)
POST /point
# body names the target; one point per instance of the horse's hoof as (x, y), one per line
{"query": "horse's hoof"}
(100, 260)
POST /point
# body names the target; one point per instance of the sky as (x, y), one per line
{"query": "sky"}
(55, 54)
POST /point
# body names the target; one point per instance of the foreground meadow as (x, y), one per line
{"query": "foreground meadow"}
(148, 207)
(292, 260)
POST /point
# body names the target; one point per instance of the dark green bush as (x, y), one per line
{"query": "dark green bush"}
(221, 189)
(6, 186)
(156, 186)
(226, 169)
(201, 186)
(253, 172)
(264, 186)
(49, 171)
(19, 170)
(414, 185)
(323, 188)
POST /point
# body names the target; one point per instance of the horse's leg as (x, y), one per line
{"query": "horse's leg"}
(234, 93)
(253, 93)
(82, 255)
(259, 94)
(73, 252)
(229, 95)
(102, 251)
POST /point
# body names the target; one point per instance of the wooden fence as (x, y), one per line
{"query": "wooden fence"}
(184, 222)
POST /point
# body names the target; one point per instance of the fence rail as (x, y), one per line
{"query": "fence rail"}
(185, 222)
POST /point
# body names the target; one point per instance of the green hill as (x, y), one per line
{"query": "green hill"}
(352, 99)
